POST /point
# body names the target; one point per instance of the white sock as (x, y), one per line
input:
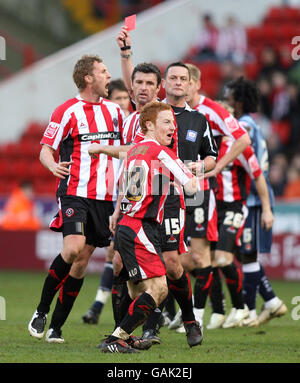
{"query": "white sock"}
(120, 333)
(272, 303)
(102, 296)
(252, 314)
(198, 314)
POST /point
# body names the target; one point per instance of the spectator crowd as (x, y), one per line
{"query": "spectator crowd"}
(277, 76)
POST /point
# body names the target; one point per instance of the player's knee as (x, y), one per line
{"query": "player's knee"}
(222, 260)
(110, 253)
(72, 250)
(201, 260)
(174, 272)
(173, 264)
(158, 289)
(163, 291)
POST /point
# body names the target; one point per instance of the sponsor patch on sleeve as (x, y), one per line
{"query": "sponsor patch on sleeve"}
(231, 123)
(51, 130)
(254, 165)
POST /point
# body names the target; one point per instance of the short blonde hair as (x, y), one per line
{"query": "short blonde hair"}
(194, 72)
(150, 112)
(226, 106)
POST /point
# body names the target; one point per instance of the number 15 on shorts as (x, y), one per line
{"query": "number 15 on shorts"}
(172, 226)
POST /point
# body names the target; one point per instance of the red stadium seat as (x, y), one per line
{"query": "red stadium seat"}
(283, 129)
(254, 35)
(46, 188)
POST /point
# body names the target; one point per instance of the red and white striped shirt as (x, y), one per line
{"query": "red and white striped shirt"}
(235, 179)
(148, 169)
(131, 126)
(73, 126)
(222, 122)
(132, 130)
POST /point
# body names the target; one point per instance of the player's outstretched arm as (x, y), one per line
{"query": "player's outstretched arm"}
(191, 187)
(61, 169)
(202, 166)
(113, 151)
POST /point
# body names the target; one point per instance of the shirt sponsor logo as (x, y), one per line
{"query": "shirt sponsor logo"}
(99, 136)
(191, 135)
(51, 130)
(231, 123)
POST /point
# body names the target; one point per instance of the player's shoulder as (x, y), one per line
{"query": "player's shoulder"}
(64, 107)
(110, 104)
(216, 107)
(132, 115)
(197, 115)
(246, 119)
(248, 123)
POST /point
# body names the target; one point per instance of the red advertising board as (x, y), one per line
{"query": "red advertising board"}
(284, 260)
(30, 250)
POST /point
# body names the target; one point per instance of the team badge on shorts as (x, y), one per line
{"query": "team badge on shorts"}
(69, 212)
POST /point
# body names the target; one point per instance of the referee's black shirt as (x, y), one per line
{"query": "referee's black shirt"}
(195, 139)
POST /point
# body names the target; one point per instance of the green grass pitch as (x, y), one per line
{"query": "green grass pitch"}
(276, 342)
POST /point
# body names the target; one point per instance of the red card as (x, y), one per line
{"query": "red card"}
(130, 22)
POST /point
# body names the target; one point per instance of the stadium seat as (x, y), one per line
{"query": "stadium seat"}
(254, 35)
(45, 188)
(283, 129)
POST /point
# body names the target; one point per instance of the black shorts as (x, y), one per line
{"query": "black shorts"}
(172, 227)
(231, 221)
(88, 217)
(201, 221)
(255, 238)
(138, 242)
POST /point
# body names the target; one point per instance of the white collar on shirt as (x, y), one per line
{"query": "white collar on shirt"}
(186, 107)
